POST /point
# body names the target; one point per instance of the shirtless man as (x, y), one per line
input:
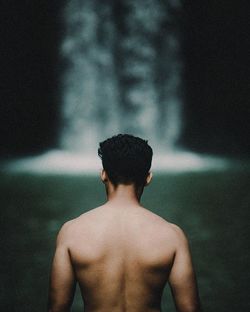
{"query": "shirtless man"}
(121, 254)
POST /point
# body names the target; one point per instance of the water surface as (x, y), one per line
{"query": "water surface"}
(212, 207)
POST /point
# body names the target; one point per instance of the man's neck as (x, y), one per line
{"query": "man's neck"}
(123, 194)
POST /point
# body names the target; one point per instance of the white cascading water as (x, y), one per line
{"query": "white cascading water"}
(93, 105)
(120, 74)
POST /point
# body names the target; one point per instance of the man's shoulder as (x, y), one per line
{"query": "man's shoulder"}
(178, 238)
(161, 221)
(166, 228)
(71, 228)
(66, 231)
(178, 233)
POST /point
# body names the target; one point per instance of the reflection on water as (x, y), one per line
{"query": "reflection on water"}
(212, 208)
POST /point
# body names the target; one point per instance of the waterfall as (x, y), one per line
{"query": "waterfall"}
(121, 72)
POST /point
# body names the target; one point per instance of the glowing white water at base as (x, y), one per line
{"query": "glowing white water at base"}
(61, 162)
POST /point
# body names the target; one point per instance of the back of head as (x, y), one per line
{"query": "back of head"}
(126, 159)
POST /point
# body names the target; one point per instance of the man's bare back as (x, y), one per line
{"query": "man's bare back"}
(121, 254)
(122, 257)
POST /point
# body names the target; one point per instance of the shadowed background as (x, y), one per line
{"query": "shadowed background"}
(174, 72)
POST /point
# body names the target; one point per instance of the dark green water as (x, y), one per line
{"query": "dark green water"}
(213, 208)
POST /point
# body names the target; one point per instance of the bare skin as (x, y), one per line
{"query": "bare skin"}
(122, 255)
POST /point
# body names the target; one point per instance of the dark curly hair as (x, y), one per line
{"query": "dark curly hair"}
(126, 159)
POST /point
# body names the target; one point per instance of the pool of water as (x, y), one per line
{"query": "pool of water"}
(213, 208)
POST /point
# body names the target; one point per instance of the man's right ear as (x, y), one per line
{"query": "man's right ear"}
(104, 176)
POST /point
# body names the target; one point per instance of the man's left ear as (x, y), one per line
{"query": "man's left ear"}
(148, 178)
(104, 176)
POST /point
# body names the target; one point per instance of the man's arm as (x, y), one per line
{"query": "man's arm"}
(62, 279)
(182, 279)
